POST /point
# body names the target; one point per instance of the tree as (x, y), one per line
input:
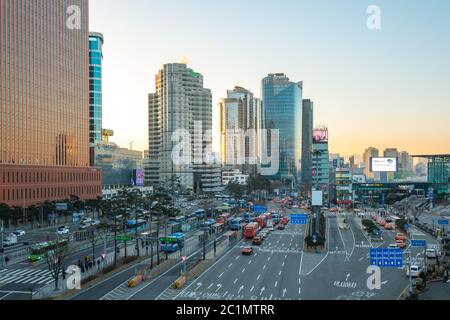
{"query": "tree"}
(55, 259)
(6, 213)
(236, 189)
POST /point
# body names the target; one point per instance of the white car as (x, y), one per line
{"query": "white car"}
(431, 253)
(95, 222)
(62, 230)
(270, 228)
(415, 271)
(19, 233)
(86, 220)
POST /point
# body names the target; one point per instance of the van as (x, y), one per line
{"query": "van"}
(10, 240)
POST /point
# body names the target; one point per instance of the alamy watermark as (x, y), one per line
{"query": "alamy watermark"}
(73, 20)
(73, 281)
(374, 19)
(374, 280)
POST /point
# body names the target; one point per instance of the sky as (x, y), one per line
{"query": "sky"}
(384, 88)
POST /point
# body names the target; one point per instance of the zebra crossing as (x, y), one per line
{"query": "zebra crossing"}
(28, 276)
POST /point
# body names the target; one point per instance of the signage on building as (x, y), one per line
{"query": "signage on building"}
(383, 164)
(320, 136)
(139, 177)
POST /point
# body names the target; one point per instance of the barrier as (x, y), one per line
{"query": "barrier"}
(179, 283)
(135, 281)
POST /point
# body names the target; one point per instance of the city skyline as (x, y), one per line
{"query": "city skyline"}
(364, 78)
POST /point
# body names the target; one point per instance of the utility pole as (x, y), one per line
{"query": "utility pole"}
(115, 240)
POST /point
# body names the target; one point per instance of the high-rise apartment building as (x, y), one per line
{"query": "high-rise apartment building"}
(282, 100)
(44, 103)
(307, 127)
(180, 103)
(242, 119)
(321, 161)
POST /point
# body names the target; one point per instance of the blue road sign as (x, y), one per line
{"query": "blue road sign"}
(298, 219)
(418, 243)
(442, 222)
(386, 257)
(259, 209)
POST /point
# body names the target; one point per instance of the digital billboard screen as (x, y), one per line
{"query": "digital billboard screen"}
(383, 164)
(320, 136)
(139, 177)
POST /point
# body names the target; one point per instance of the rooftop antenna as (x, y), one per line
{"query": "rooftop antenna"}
(131, 145)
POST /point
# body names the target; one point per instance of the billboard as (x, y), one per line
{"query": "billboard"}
(317, 198)
(320, 135)
(139, 177)
(383, 164)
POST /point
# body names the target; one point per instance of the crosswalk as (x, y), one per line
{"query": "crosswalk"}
(28, 276)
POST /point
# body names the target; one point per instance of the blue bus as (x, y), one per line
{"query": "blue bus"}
(141, 224)
(199, 213)
(248, 216)
(179, 219)
(236, 224)
(172, 243)
(276, 217)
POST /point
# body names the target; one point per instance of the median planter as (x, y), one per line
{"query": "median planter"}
(135, 281)
(179, 283)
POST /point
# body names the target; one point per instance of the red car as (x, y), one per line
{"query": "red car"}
(247, 251)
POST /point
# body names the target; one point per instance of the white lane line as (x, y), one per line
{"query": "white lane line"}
(279, 273)
(243, 270)
(210, 285)
(229, 266)
(253, 287)
(250, 262)
(237, 257)
(259, 276)
(300, 268)
(235, 281)
(276, 284)
(320, 262)
(221, 274)
(264, 267)
(268, 258)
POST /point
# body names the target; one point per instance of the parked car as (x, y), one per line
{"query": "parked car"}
(19, 233)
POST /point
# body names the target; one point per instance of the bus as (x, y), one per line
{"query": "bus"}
(199, 213)
(251, 230)
(172, 243)
(223, 218)
(141, 224)
(179, 219)
(236, 224)
(38, 251)
(248, 216)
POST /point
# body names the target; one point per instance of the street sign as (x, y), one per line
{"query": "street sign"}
(443, 222)
(386, 257)
(418, 243)
(124, 238)
(299, 219)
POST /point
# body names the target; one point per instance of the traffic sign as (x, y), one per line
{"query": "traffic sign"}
(124, 238)
(386, 257)
(418, 243)
(443, 222)
(299, 219)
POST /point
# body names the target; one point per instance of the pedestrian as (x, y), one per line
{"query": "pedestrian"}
(6, 260)
(64, 272)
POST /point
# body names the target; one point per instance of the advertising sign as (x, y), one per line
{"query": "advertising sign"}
(386, 257)
(61, 206)
(320, 135)
(383, 164)
(317, 198)
(139, 177)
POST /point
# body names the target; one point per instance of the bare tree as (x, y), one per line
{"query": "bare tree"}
(55, 258)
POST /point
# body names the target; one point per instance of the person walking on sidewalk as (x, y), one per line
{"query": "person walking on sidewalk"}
(6, 260)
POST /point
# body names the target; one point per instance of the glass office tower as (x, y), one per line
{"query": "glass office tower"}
(96, 41)
(282, 100)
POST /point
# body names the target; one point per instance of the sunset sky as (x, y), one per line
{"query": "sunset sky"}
(382, 88)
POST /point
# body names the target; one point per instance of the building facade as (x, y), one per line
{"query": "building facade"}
(370, 152)
(242, 121)
(307, 127)
(96, 41)
(180, 102)
(321, 161)
(44, 121)
(236, 176)
(282, 101)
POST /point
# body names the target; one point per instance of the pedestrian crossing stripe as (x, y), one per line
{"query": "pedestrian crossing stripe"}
(30, 276)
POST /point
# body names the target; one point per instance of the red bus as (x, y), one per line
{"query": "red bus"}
(262, 221)
(251, 230)
(223, 218)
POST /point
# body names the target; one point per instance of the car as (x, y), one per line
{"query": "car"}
(63, 230)
(393, 246)
(400, 236)
(257, 240)
(19, 233)
(431, 253)
(416, 271)
(95, 222)
(247, 251)
(270, 228)
(281, 227)
(400, 244)
(89, 220)
(389, 226)
(84, 226)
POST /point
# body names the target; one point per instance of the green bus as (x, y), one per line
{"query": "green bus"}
(38, 251)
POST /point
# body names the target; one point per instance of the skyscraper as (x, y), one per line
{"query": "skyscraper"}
(44, 103)
(242, 119)
(282, 100)
(370, 152)
(96, 41)
(180, 103)
(307, 126)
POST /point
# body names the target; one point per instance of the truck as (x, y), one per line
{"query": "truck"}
(250, 230)
(10, 240)
(223, 218)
